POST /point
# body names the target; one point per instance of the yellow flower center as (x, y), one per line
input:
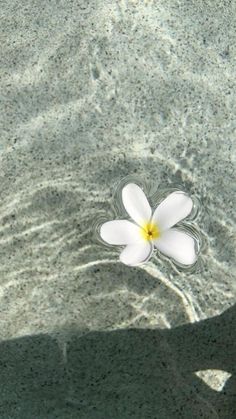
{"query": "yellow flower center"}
(150, 231)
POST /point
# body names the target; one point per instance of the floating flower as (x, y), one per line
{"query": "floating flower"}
(151, 229)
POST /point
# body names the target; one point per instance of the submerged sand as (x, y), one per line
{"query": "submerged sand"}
(91, 92)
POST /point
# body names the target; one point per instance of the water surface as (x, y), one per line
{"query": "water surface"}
(92, 92)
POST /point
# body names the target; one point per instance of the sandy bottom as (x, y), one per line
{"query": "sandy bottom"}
(92, 92)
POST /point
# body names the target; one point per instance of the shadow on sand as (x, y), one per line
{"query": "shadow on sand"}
(132, 373)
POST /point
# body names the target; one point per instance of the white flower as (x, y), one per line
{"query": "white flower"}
(151, 229)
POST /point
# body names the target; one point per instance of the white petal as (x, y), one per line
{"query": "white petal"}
(137, 253)
(173, 209)
(120, 232)
(136, 203)
(178, 245)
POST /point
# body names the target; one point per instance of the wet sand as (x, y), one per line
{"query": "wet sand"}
(92, 92)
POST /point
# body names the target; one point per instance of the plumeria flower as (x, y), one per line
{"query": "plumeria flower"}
(151, 229)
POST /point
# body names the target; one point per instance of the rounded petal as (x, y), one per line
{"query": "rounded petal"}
(136, 203)
(173, 209)
(135, 254)
(178, 245)
(120, 232)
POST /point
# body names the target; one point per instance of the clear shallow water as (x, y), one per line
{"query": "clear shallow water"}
(91, 93)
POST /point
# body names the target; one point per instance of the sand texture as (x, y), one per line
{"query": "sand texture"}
(91, 92)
